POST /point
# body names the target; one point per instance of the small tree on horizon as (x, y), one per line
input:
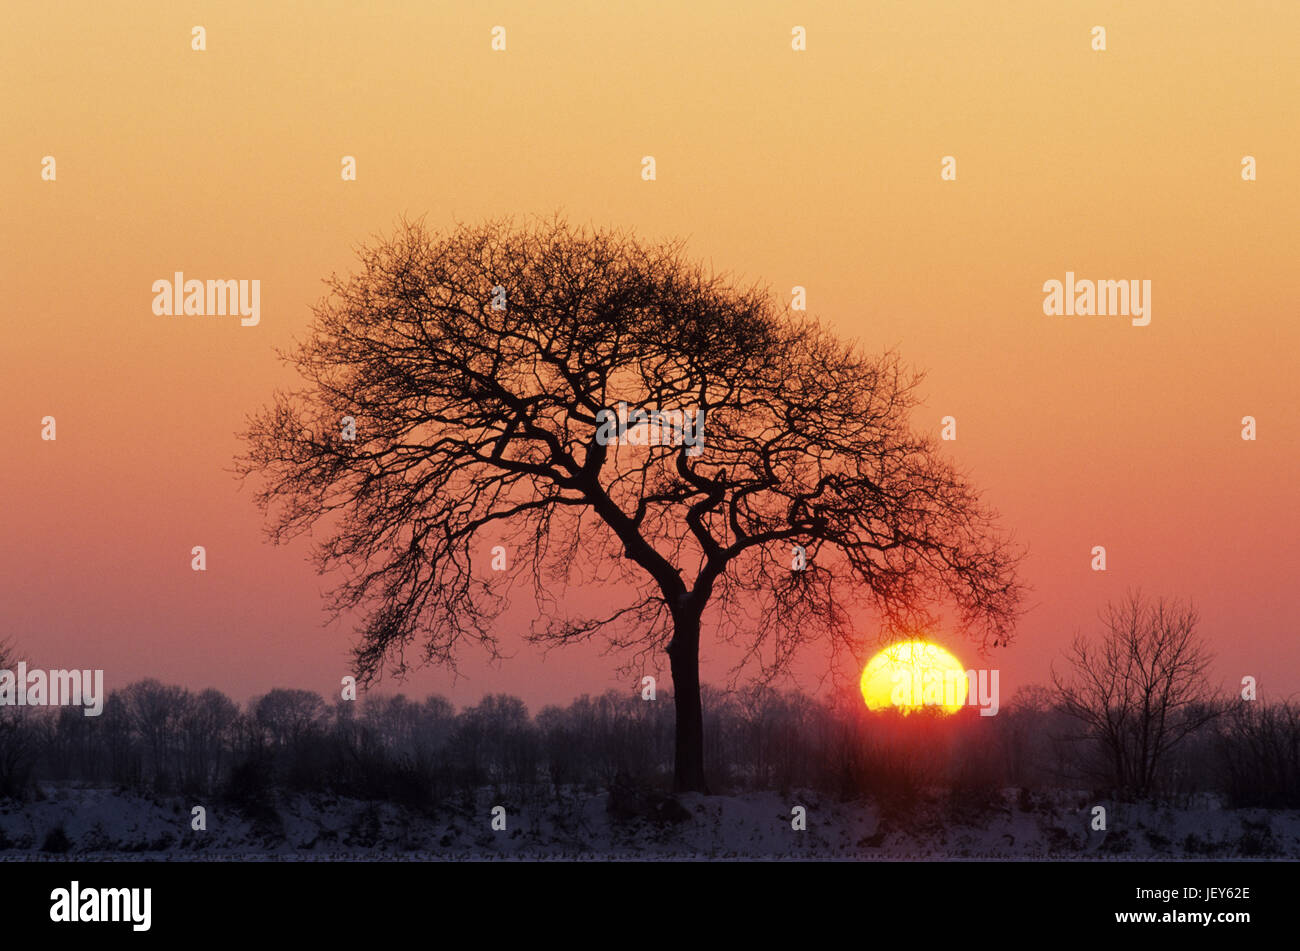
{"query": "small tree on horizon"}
(1139, 690)
(479, 368)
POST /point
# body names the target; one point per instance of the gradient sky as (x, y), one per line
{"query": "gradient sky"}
(818, 168)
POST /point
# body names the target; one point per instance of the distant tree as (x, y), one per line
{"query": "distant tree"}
(19, 741)
(1032, 698)
(117, 740)
(481, 372)
(495, 741)
(1033, 734)
(155, 712)
(408, 726)
(207, 735)
(1257, 747)
(71, 748)
(777, 731)
(289, 715)
(1141, 689)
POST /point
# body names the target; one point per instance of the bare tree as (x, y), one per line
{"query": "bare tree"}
(207, 728)
(19, 740)
(481, 371)
(1141, 690)
(1258, 751)
(157, 712)
(287, 715)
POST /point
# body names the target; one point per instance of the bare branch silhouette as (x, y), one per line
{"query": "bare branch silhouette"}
(480, 366)
(1141, 690)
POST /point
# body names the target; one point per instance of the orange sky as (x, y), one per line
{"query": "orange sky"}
(818, 168)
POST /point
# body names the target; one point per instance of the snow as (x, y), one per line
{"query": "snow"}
(571, 824)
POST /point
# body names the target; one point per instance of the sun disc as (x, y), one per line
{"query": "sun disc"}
(914, 674)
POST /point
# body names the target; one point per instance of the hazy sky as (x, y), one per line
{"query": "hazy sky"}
(818, 168)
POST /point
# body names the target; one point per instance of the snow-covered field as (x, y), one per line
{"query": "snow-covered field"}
(103, 824)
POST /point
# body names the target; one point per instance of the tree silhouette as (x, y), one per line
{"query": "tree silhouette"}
(1141, 690)
(480, 370)
(19, 743)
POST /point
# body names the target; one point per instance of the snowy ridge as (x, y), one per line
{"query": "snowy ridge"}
(98, 823)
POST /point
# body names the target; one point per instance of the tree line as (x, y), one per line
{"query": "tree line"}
(164, 739)
(1132, 714)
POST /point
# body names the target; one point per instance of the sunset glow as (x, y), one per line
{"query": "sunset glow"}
(914, 674)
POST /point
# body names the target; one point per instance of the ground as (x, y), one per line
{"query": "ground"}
(97, 823)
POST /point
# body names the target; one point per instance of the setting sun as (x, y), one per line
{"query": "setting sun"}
(914, 674)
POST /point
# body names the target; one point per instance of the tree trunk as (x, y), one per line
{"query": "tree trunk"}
(684, 657)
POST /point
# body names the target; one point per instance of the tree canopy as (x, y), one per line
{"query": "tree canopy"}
(477, 369)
